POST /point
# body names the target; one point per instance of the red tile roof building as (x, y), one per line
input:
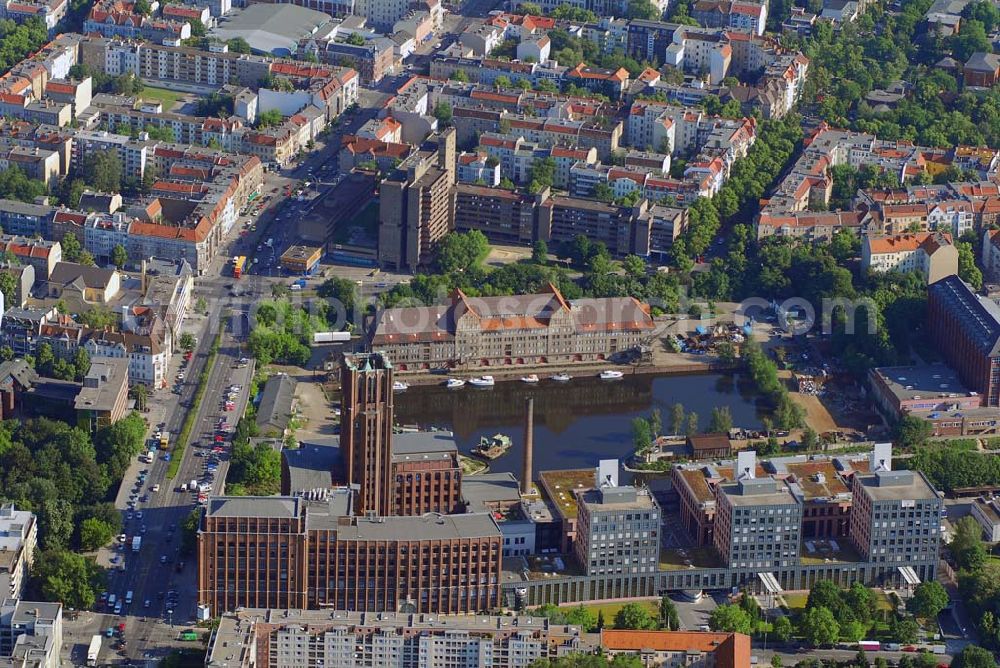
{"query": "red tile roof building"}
(515, 330)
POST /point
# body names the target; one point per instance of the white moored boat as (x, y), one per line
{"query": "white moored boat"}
(455, 383)
(484, 381)
(561, 377)
(400, 386)
(529, 379)
(611, 374)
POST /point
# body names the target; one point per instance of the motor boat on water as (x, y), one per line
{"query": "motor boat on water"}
(561, 377)
(454, 383)
(529, 379)
(611, 374)
(482, 381)
(400, 386)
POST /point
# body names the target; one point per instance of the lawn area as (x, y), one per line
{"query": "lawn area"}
(882, 602)
(611, 609)
(169, 98)
(796, 600)
(675, 559)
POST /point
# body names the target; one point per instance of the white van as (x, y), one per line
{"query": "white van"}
(128, 597)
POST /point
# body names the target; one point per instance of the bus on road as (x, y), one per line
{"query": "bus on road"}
(239, 263)
(164, 441)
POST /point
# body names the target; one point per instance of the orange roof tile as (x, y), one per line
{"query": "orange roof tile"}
(662, 641)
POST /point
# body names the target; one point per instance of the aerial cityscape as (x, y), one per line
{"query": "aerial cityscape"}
(500, 333)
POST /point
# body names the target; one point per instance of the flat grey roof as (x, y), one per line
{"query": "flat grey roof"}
(28, 612)
(418, 445)
(103, 384)
(310, 465)
(620, 498)
(253, 506)
(781, 496)
(897, 486)
(478, 490)
(925, 381)
(325, 513)
(425, 527)
(273, 29)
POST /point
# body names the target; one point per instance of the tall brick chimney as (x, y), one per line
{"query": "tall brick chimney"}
(529, 429)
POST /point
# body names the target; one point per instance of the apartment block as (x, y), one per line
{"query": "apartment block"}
(930, 254)
(18, 540)
(417, 204)
(31, 633)
(504, 216)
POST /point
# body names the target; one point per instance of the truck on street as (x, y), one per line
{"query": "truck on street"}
(94, 650)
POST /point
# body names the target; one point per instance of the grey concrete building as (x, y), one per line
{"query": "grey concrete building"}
(757, 524)
(302, 638)
(618, 531)
(18, 539)
(31, 634)
(896, 518)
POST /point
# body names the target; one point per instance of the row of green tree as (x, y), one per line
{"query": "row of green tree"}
(764, 372)
(66, 478)
(833, 614)
(18, 40)
(283, 332)
(748, 181)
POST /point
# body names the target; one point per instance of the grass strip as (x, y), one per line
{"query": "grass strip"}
(177, 456)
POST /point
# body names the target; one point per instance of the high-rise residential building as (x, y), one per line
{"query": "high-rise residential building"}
(618, 531)
(366, 429)
(18, 539)
(31, 634)
(417, 204)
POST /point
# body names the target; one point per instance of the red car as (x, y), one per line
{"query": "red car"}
(187, 355)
